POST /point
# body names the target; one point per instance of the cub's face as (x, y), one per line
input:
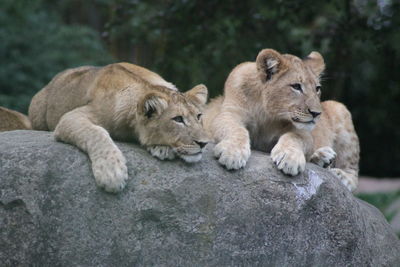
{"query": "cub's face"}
(292, 88)
(175, 121)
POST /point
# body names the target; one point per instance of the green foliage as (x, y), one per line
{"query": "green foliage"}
(383, 201)
(380, 200)
(35, 46)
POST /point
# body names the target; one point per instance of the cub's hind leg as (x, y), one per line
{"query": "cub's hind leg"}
(78, 127)
(323, 137)
(336, 130)
(347, 147)
(38, 111)
(348, 177)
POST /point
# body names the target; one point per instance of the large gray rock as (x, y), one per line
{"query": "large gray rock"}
(176, 214)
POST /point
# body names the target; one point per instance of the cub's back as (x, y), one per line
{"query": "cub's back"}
(77, 87)
(65, 92)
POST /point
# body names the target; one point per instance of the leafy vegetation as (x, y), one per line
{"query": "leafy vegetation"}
(36, 45)
(383, 201)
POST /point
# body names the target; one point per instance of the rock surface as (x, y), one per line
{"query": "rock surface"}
(176, 214)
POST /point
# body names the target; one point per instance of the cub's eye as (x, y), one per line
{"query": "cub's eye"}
(297, 86)
(199, 116)
(318, 88)
(178, 119)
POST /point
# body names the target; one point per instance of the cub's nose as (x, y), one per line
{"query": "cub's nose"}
(314, 113)
(201, 144)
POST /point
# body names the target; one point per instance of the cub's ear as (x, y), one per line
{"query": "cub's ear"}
(316, 62)
(199, 94)
(269, 63)
(152, 104)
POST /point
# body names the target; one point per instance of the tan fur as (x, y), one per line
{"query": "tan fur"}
(262, 109)
(335, 129)
(12, 120)
(87, 106)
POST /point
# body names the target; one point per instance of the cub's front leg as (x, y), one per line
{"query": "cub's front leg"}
(323, 156)
(161, 152)
(289, 154)
(77, 127)
(233, 149)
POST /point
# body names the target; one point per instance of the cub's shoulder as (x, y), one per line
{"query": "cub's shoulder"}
(140, 74)
(333, 107)
(244, 69)
(243, 75)
(335, 113)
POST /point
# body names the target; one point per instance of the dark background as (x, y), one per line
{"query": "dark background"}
(190, 42)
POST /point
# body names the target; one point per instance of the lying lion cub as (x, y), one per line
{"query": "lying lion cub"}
(274, 105)
(11, 120)
(87, 105)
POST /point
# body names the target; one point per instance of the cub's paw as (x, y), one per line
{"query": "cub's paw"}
(290, 161)
(349, 180)
(323, 156)
(231, 156)
(161, 152)
(110, 171)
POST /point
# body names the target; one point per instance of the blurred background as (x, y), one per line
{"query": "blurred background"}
(190, 42)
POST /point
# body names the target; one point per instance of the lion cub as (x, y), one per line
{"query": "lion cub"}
(12, 120)
(87, 106)
(274, 105)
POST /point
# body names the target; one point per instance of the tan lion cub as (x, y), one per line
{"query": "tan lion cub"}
(12, 120)
(87, 105)
(274, 105)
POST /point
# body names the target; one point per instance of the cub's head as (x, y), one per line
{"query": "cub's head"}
(291, 88)
(171, 123)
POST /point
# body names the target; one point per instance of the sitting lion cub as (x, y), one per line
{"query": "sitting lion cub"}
(87, 105)
(13, 120)
(274, 105)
